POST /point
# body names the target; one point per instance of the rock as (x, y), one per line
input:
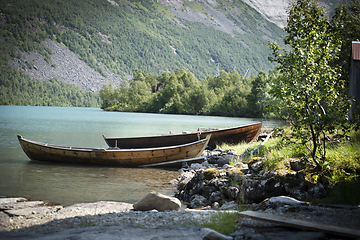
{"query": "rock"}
(229, 206)
(197, 166)
(209, 190)
(286, 200)
(283, 200)
(256, 164)
(215, 206)
(215, 197)
(184, 180)
(198, 201)
(317, 190)
(157, 201)
(209, 234)
(298, 164)
(4, 221)
(211, 173)
(30, 211)
(255, 191)
(235, 174)
(232, 193)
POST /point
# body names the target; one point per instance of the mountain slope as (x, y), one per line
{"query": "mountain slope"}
(116, 37)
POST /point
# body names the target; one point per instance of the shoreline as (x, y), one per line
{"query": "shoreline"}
(19, 216)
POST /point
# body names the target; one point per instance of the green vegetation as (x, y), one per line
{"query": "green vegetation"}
(17, 88)
(309, 92)
(341, 170)
(222, 222)
(133, 34)
(228, 94)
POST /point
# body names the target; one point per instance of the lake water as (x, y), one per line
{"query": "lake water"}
(83, 127)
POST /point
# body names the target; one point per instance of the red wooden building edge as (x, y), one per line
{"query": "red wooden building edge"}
(355, 50)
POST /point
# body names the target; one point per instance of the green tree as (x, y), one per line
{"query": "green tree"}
(107, 94)
(258, 95)
(308, 87)
(346, 27)
(345, 24)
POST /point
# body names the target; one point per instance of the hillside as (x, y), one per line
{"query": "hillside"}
(93, 42)
(116, 37)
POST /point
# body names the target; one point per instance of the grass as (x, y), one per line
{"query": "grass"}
(222, 222)
(341, 167)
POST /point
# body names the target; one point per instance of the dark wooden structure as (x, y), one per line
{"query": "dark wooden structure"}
(301, 224)
(354, 85)
(247, 133)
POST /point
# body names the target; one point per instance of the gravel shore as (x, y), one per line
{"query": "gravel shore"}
(19, 216)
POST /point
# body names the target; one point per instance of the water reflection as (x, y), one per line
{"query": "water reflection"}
(69, 184)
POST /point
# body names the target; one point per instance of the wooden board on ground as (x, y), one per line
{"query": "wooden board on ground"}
(301, 224)
(176, 163)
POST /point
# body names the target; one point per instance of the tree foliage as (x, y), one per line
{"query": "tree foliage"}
(135, 35)
(180, 92)
(309, 87)
(346, 27)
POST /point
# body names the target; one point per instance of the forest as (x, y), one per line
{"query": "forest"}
(264, 94)
(180, 92)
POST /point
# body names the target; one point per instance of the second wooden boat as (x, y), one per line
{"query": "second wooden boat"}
(234, 135)
(246, 133)
(112, 156)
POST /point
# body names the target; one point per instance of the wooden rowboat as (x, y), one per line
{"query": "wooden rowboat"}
(112, 156)
(247, 133)
(234, 135)
(154, 141)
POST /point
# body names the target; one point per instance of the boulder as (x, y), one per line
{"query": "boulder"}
(298, 164)
(255, 191)
(215, 197)
(256, 164)
(157, 201)
(198, 201)
(229, 206)
(209, 234)
(280, 202)
(317, 190)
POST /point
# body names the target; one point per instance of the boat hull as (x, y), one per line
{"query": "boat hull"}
(235, 135)
(123, 157)
(154, 141)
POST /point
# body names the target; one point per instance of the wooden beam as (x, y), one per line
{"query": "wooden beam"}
(301, 224)
(175, 163)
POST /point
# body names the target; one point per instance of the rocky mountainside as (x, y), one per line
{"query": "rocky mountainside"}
(65, 66)
(90, 52)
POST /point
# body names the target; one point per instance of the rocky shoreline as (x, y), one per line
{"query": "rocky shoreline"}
(39, 220)
(204, 190)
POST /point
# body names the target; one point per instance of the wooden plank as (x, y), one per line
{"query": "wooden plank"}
(175, 163)
(301, 224)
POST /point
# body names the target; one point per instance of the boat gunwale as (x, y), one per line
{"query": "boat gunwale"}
(228, 129)
(68, 148)
(180, 134)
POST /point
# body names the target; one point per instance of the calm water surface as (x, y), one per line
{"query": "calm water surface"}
(83, 127)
